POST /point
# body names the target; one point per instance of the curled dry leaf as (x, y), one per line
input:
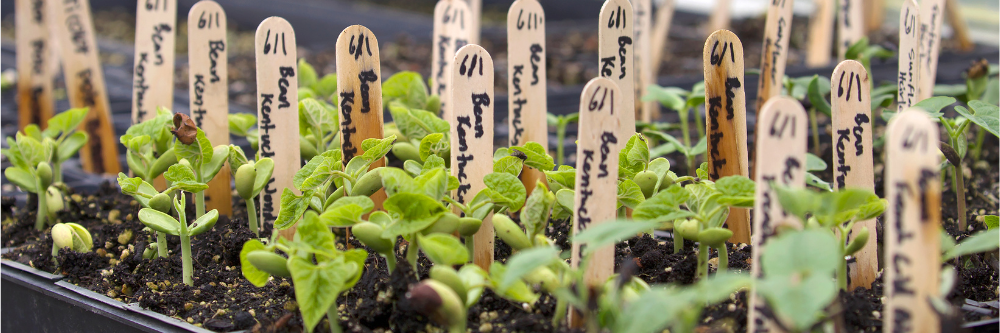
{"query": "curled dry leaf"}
(184, 128)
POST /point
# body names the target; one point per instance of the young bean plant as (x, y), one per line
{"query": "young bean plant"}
(162, 222)
(250, 178)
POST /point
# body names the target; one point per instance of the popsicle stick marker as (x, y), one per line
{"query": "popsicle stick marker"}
(85, 84)
(850, 25)
(931, 18)
(821, 33)
(452, 31)
(277, 111)
(774, 53)
(912, 224)
(781, 155)
(852, 160)
(643, 14)
(35, 104)
(527, 81)
(208, 69)
(597, 169)
(153, 74)
(476, 11)
(472, 136)
(909, 56)
(719, 20)
(616, 52)
(359, 87)
(874, 14)
(661, 34)
(726, 123)
(958, 26)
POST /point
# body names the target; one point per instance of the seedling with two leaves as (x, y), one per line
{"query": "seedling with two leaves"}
(162, 222)
(250, 178)
(70, 235)
(683, 102)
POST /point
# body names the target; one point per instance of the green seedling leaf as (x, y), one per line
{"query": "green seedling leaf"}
(65, 122)
(506, 190)
(255, 276)
(375, 149)
(985, 115)
(347, 211)
(71, 145)
(241, 123)
(526, 261)
(22, 178)
(412, 167)
(563, 178)
(798, 303)
(292, 208)
(818, 89)
(313, 232)
(159, 221)
(627, 169)
(415, 212)
(318, 285)
(814, 163)
(991, 221)
(406, 88)
(666, 203)
(983, 241)
(265, 167)
(183, 177)
(474, 278)
(670, 97)
(737, 191)
(639, 154)
(611, 232)
(204, 223)
(327, 87)
(508, 164)
(314, 114)
(433, 182)
(307, 75)
(434, 144)
(810, 252)
(443, 249)
(518, 291)
(535, 215)
(564, 204)
(500, 153)
(797, 201)
(198, 152)
(934, 105)
(219, 156)
(629, 194)
(815, 181)
(536, 156)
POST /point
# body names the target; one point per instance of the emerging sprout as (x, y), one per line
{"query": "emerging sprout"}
(161, 222)
(72, 236)
(250, 177)
(439, 302)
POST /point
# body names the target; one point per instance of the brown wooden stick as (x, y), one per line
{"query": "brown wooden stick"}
(208, 69)
(476, 15)
(719, 19)
(909, 56)
(912, 224)
(774, 53)
(931, 18)
(874, 14)
(527, 81)
(658, 45)
(958, 25)
(359, 85)
(821, 33)
(616, 53)
(852, 161)
(277, 111)
(850, 25)
(452, 31)
(643, 16)
(781, 154)
(472, 136)
(153, 74)
(35, 103)
(85, 84)
(726, 123)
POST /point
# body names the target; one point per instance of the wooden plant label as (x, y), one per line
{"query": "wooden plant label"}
(85, 84)
(476, 16)
(597, 170)
(912, 224)
(850, 25)
(874, 14)
(775, 51)
(661, 33)
(643, 14)
(719, 19)
(153, 75)
(34, 85)
(208, 67)
(527, 80)
(726, 123)
(615, 49)
(821, 34)
(852, 160)
(359, 86)
(472, 135)
(781, 156)
(277, 109)
(960, 30)
(452, 30)
(909, 56)
(931, 18)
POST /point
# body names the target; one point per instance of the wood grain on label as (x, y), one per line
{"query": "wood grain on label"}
(719, 19)
(85, 84)
(931, 18)
(959, 28)
(661, 35)
(616, 52)
(359, 85)
(909, 56)
(476, 15)
(781, 156)
(153, 74)
(821, 33)
(642, 11)
(912, 224)
(452, 31)
(472, 135)
(774, 54)
(726, 124)
(35, 103)
(850, 25)
(277, 109)
(852, 161)
(208, 67)
(527, 81)
(874, 14)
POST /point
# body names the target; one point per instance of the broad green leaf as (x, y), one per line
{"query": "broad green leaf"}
(71, 145)
(236, 158)
(507, 190)
(433, 162)
(815, 181)
(407, 88)
(181, 176)
(433, 183)
(318, 285)
(627, 169)
(357, 257)
(375, 149)
(412, 213)
(203, 223)
(662, 204)
(65, 122)
(983, 241)
(639, 154)
(313, 114)
(381, 218)
(629, 194)
(814, 163)
(327, 87)
(135, 187)
(22, 178)
(317, 171)
(508, 164)
(526, 261)
(535, 215)
(799, 304)
(219, 156)
(819, 87)
(797, 201)
(565, 177)
(255, 276)
(810, 252)
(565, 198)
(347, 211)
(412, 167)
(991, 221)
(474, 278)
(265, 168)
(198, 152)
(434, 144)
(536, 156)
(313, 232)
(737, 191)
(241, 123)
(443, 249)
(611, 232)
(518, 291)
(396, 181)
(159, 221)
(670, 97)
(307, 75)
(987, 116)
(700, 147)
(292, 207)
(32, 151)
(934, 105)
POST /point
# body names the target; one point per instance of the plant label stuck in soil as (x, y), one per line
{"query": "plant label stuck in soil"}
(909, 56)
(850, 25)
(616, 52)
(153, 74)
(821, 33)
(726, 119)
(912, 223)
(781, 156)
(34, 90)
(359, 87)
(527, 81)
(643, 14)
(931, 18)
(85, 84)
(208, 69)
(658, 42)
(277, 111)
(472, 99)
(852, 161)
(452, 31)
(774, 53)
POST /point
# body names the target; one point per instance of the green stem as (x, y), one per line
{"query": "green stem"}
(390, 261)
(958, 177)
(561, 308)
(470, 245)
(252, 216)
(560, 138)
(186, 268)
(199, 204)
(702, 261)
(842, 266)
(57, 172)
(40, 215)
(723, 258)
(814, 124)
(977, 153)
(698, 125)
(161, 244)
(685, 129)
(331, 315)
(678, 242)
(411, 253)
